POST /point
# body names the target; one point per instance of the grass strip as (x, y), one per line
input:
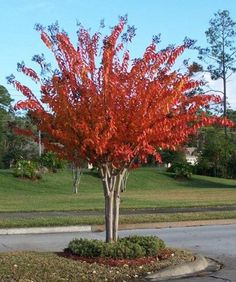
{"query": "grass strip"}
(124, 219)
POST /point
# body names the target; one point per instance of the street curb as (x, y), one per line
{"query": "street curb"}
(44, 230)
(101, 228)
(174, 224)
(199, 264)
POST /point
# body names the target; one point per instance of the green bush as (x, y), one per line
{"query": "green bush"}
(51, 161)
(181, 170)
(126, 248)
(27, 169)
(150, 244)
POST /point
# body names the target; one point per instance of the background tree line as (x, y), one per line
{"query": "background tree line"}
(215, 147)
(13, 147)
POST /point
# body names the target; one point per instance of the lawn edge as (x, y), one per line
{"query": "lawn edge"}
(173, 224)
(101, 228)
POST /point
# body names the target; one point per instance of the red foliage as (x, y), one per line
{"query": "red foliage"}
(117, 110)
(21, 131)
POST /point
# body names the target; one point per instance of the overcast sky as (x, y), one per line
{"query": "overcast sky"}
(174, 19)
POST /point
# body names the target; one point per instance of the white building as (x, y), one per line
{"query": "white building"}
(191, 155)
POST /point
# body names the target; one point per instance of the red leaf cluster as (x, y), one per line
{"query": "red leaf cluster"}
(118, 109)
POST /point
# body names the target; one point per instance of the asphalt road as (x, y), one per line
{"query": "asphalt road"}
(217, 242)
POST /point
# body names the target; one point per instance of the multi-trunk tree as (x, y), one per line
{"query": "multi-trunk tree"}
(105, 108)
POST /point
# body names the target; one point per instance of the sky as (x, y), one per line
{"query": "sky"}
(174, 19)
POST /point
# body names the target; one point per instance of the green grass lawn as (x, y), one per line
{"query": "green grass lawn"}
(124, 219)
(147, 188)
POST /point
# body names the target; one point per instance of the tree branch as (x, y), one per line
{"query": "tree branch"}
(219, 91)
(229, 75)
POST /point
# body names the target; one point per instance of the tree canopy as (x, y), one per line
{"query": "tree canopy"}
(119, 110)
(220, 54)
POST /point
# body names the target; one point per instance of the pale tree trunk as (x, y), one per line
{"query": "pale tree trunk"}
(224, 82)
(112, 183)
(76, 174)
(124, 181)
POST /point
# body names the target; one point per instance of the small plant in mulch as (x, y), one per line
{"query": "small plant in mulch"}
(132, 250)
(162, 255)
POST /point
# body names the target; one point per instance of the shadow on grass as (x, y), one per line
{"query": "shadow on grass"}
(92, 173)
(6, 172)
(198, 181)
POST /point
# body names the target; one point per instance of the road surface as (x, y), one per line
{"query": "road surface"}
(218, 242)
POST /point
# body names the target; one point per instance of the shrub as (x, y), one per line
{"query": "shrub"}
(181, 170)
(126, 248)
(51, 161)
(150, 244)
(27, 169)
(86, 248)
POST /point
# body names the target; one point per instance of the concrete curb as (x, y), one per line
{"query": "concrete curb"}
(43, 230)
(158, 225)
(101, 228)
(199, 264)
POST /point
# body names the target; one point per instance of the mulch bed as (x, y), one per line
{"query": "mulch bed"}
(162, 255)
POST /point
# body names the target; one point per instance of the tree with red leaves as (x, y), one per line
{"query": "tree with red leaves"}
(116, 111)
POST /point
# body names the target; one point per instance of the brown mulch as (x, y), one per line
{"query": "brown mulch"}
(162, 255)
